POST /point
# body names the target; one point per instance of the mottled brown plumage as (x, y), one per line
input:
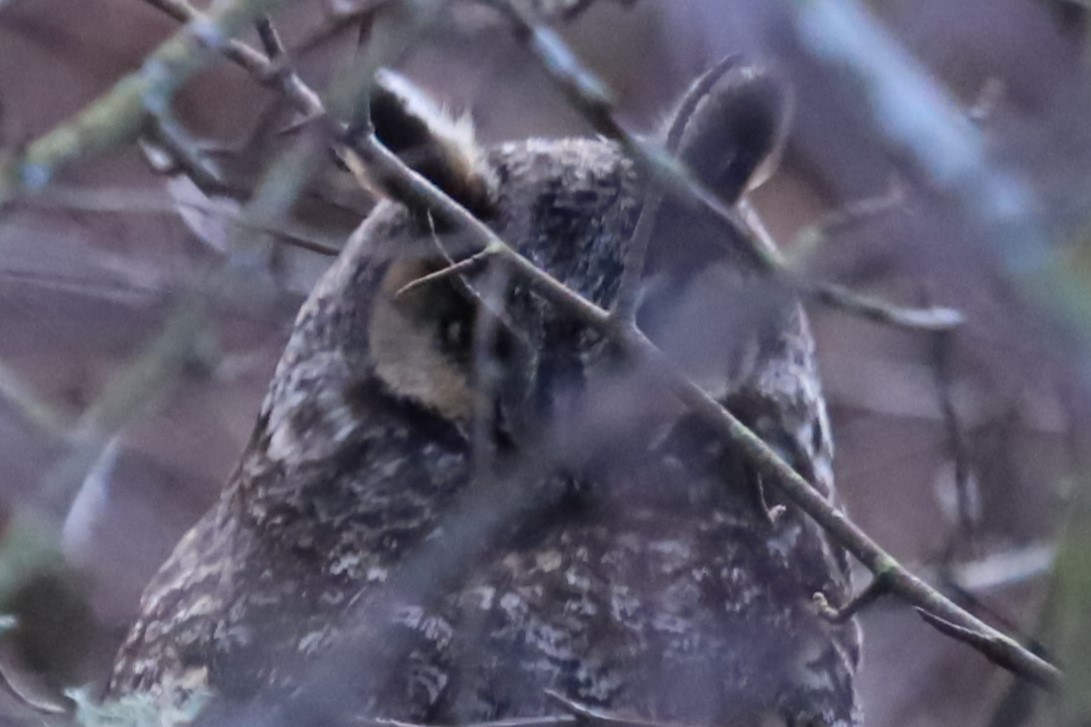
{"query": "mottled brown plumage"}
(365, 562)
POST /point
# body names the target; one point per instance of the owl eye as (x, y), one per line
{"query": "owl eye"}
(730, 175)
(456, 326)
(423, 341)
(451, 315)
(454, 333)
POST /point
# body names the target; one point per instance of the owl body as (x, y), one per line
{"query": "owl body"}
(367, 561)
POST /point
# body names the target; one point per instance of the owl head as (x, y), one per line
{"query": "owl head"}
(481, 346)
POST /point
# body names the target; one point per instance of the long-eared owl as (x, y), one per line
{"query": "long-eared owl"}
(459, 501)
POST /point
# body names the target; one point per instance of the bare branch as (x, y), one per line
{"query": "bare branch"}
(249, 59)
(121, 114)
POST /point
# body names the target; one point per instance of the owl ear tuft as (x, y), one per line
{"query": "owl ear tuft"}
(730, 127)
(429, 140)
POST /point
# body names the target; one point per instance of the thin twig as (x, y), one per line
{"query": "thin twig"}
(930, 320)
(270, 38)
(879, 586)
(845, 218)
(485, 302)
(632, 269)
(586, 714)
(416, 192)
(942, 351)
(837, 297)
(487, 373)
(462, 267)
(184, 155)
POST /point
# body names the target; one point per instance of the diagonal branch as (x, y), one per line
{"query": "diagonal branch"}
(418, 193)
